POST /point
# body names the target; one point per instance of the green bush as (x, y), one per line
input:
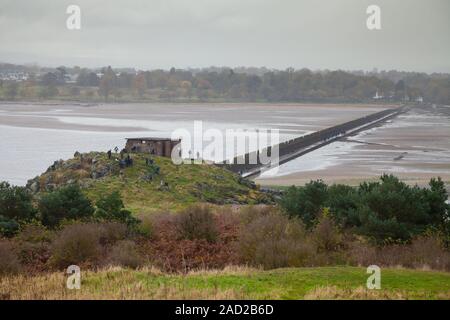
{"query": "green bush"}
(8, 227)
(111, 208)
(388, 210)
(305, 202)
(15, 202)
(67, 203)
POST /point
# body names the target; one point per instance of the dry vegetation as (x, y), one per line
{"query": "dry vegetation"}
(187, 254)
(202, 237)
(230, 283)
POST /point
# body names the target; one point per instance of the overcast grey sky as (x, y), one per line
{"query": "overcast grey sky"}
(148, 34)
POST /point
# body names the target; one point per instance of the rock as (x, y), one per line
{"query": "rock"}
(95, 160)
(231, 201)
(34, 187)
(100, 171)
(50, 187)
(147, 177)
(47, 181)
(73, 166)
(202, 186)
(247, 183)
(84, 184)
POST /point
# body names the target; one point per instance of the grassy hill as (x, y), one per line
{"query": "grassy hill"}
(233, 283)
(140, 184)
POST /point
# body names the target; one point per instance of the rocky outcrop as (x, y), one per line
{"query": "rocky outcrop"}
(80, 169)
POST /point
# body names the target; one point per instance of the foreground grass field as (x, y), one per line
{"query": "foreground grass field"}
(232, 283)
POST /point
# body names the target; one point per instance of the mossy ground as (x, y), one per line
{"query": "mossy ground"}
(187, 183)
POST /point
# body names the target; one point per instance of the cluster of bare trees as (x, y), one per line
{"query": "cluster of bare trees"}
(246, 84)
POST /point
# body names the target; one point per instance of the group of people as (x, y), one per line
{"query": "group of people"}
(116, 149)
(127, 161)
(124, 162)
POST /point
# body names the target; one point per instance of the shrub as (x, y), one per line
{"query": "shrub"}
(379, 230)
(77, 244)
(172, 253)
(8, 227)
(66, 203)
(33, 246)
(305, 202)
(326, 235)
(146, 226)
(34, 232)
(249, 213)
(111, 208)
(196, 222)
(436, 196)
(388, 210)
(274, 241)
(15, 207)
(429, 251)
(228, 222)
(15, 203)
(343, 202)
(9, 262)
(110, 232)
(124, 253)
(422, 252)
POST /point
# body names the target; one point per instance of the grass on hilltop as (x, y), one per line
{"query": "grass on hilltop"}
(187, 184)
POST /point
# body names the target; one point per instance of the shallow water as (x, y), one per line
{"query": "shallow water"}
(415, 146)
(34, 136)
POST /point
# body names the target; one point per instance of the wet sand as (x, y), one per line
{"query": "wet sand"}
(414, 146)
(290, 118)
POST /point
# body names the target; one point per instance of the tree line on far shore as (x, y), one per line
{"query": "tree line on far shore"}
(225, 84)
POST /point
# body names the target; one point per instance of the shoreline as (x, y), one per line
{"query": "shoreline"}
(165, 102)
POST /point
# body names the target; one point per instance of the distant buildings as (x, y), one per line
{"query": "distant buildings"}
(378, 96)
(71, 78)
(391, 95)
(24, 76)
(14, 76)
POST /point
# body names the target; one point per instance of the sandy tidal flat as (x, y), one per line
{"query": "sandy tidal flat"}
(414, 146)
